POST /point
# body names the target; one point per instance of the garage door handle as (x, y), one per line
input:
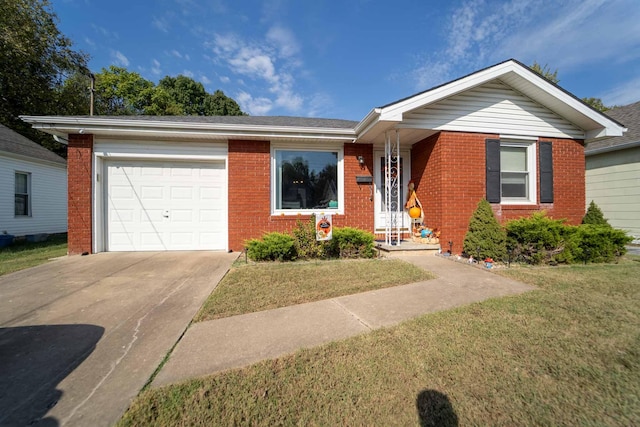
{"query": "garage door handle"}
(165, 214)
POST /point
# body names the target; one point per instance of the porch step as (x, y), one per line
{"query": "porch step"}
(406, 248)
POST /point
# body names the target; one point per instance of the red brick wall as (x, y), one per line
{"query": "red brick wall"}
(79, 166)
(250, 192)
(449, 171)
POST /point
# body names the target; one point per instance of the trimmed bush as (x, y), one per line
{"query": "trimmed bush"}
(542, 240)
(304, 238)
(598, 243)
(595, 216)
(350, 242)
(486, 237)
(539, 239)
(272, 247)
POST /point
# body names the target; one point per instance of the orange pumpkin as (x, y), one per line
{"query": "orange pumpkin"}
(415, 212)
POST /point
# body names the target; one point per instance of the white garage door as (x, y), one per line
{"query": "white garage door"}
(154, 206)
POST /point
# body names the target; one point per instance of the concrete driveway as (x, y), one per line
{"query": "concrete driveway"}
(80, 336)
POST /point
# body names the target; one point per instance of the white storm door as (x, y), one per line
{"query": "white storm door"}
(154, 206)
(378, 171)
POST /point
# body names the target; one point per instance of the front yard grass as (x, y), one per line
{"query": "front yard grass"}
(248, 288)
(21, 255)
(565, 354)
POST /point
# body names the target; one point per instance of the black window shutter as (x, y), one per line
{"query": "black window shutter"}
(493, 170)
(546, 172)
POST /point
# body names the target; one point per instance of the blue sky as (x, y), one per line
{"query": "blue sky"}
(340, 59)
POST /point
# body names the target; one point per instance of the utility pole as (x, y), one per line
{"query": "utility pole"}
(91, 91)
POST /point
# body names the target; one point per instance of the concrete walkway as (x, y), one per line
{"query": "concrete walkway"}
(233, 342)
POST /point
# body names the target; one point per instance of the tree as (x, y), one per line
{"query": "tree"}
(121, 92)
(219, 104)
(595, 216)
(545, 72)
(35, 58)
(485, 237)
(596, 103)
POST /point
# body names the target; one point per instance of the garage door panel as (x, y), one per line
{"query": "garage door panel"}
(166, 206)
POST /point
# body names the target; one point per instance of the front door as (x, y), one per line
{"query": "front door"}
(405, 172)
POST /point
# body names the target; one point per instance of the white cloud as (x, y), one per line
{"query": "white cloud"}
(270, 63)
(161, 24)
(89, 42)
(284, 39)
(187, 73)
(225, 79)
(626, 93)
(204, 79)
(566, 35)
(254, 106)
(155, 67)
(119, 59)
(175, 53)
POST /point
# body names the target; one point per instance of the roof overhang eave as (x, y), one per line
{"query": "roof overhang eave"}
(63, 126)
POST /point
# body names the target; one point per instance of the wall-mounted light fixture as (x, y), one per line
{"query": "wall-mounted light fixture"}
(361, 160)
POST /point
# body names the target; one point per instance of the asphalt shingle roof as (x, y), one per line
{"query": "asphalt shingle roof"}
(13, 142)
(629, 116)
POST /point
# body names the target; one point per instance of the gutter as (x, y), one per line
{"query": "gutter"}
(612, 148)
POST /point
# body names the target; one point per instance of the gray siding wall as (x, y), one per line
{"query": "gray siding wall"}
(613, 182)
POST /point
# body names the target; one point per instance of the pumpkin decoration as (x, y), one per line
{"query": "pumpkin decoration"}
(415, 212)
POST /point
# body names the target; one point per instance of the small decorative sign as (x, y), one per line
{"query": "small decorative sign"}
(323, 227)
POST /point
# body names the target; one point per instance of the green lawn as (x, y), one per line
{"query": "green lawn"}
(566, 354)
(23, 255)
(248, 288)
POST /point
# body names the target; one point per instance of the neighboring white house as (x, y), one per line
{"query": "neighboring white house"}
(613, 172)
(33, 187)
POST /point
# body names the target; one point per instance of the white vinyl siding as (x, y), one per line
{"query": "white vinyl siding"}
(613, 182)
(492, 108)
(47, 194)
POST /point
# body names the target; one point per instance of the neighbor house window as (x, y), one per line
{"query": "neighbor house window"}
(306, 180)
(22, 205)
(517, 172)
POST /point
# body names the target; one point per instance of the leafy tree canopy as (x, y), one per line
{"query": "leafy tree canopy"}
(35, 59)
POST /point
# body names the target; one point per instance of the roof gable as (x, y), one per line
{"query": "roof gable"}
(14, 143)
(519, 78)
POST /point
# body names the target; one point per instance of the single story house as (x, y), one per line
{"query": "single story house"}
(613, 172)
(33, 187)
(182, 183)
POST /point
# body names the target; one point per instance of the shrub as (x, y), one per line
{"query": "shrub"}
(485, 238)
(304, 238)
(272, 247)
(598, 243)
(539, 239)
(350, 242)
(595, 216)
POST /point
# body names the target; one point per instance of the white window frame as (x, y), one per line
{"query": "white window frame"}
(328, 148)
(28, 193)
(532, 188)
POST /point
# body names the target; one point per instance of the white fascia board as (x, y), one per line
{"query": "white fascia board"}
(66, 125)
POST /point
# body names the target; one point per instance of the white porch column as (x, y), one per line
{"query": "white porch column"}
(392, 179)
